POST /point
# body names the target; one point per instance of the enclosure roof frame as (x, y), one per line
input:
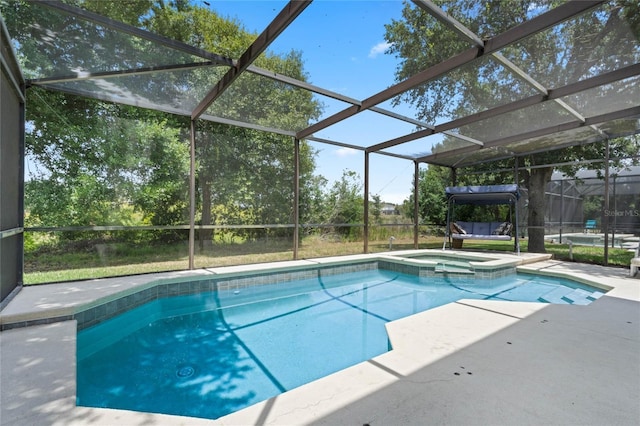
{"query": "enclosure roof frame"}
(456, 157)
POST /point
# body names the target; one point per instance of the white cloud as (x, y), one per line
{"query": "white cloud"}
(379, 49)
(345, 152)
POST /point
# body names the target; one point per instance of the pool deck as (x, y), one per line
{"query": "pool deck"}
(622, 241)
(468, 362)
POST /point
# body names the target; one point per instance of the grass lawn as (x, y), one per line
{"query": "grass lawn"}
(119, 260)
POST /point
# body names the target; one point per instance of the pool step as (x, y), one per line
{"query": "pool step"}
(556, 295)
(578, 297)
(595, 295)
(454, 271)
(453, 267)
(575, 296)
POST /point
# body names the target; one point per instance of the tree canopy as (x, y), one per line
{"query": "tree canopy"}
(99, 163)
(565, 54)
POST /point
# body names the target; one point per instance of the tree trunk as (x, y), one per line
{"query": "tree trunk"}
(537, 185)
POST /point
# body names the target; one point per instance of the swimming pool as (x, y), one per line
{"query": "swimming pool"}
(213, 353)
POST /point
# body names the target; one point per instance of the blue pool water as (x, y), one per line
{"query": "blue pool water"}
(210, 354)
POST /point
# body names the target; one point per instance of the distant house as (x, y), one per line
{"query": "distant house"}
(388, 208)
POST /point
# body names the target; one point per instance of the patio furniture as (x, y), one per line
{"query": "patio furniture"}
(457, 232)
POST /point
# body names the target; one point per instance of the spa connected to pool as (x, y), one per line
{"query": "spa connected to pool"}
(209, 347)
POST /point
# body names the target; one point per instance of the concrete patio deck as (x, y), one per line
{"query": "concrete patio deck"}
(469, 362)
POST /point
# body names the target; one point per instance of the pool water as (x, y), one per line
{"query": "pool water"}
(210, 354)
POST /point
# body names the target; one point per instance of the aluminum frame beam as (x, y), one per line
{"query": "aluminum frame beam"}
(121, 73)
(291, 11)
(251, 69)
(330, 94)
(553, 94)
(286, 16)
(136, 32)
(513, 35)
(596, 119)
(9, 65)
(448, 20)
(244, 125)
(357, 148)
(420, 78)
(108, 98)
(431, 8)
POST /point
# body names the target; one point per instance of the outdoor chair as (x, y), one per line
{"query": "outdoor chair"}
(590, 224)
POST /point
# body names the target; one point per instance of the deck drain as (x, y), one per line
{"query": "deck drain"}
(185, 371)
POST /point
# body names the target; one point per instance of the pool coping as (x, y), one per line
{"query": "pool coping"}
(93, 301)
(458, 327)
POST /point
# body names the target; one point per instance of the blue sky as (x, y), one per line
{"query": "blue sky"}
(342, 44)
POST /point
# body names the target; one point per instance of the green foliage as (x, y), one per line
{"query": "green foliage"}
(161, 169)
(345, 205)
(130, 12)
(105, 164)
(580, 49)
(592, 207)
(96, 166)
(432, 202)
(376, 208)
(136, 259)
(312, 198)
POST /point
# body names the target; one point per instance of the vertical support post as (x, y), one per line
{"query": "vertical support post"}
(605, 220)
(296, 197)
(561, 207)
(366, 203)
(447, 232)
(12, 149)
(416, 203)
(454, 176)
(516, 180)
(615, 216)
(516, 238)
(192, 196)
(21, 170)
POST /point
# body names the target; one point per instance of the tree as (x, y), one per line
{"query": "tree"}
(432, 202)
(109, 156)
(376, 207)
(592, 42)
(95, 160)
(244, 176)
(160, 172)
(345, 204)
(103, 164)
